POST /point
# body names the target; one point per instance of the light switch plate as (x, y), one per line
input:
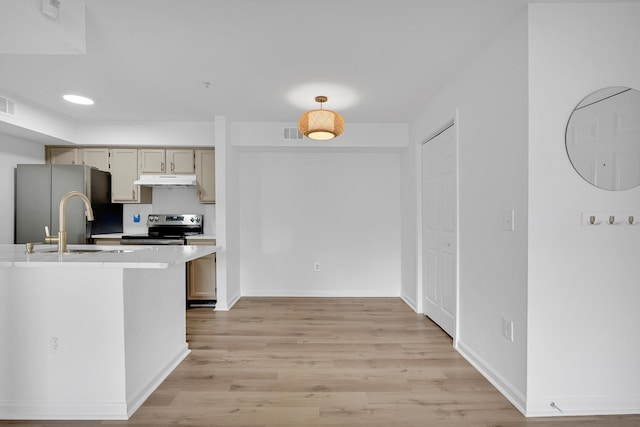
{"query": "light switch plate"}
(507, 220)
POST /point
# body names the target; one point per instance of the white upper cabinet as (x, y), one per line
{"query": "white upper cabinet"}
(127, 163)
(62, 155)
(206, 175)
(124, 171)
(151, 160)
(96, 157)
(180, 161)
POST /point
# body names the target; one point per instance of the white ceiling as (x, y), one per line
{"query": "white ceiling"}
(376, 60)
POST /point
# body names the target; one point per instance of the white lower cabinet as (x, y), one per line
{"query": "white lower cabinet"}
(201, 276)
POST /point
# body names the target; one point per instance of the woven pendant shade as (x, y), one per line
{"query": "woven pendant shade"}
(321, 124)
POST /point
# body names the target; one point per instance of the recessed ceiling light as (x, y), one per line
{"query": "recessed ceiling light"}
(77, 99)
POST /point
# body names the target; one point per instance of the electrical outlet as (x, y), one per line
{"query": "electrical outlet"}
(316, 266)
(55, 344)
(507, 220)
(507, 328)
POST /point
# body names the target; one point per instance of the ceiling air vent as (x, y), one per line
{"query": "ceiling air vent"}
(7, 106)
(291, 134)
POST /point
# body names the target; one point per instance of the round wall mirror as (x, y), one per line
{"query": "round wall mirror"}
(603, 138)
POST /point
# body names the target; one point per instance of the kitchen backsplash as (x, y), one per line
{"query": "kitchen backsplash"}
(168, 201)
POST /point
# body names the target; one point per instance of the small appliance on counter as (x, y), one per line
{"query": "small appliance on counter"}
(167, 229)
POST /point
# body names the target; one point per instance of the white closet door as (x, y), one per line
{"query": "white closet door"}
(439, 228)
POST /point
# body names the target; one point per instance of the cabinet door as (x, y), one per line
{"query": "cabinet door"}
(201, 281)
(202, 278)
(96, 157)
(206, 175)
(152, 160)
(124, 171)
(180, 161)
(63, 156)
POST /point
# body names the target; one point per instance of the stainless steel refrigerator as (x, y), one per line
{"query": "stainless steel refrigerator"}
(39, 189)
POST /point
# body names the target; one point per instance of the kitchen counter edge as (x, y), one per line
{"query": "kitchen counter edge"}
(140, 257)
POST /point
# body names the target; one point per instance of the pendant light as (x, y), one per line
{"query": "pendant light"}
(321, 124)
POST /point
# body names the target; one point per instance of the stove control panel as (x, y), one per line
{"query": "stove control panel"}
(174, 219)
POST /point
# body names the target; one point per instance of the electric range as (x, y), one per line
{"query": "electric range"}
(167, 229)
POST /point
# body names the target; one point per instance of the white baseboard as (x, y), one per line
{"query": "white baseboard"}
(410, 302)
(318, 294)
(140, 395)
(234, 300)
(541, 407)
(515, 396)
(222, 305)
(63, 410)
(54, 410)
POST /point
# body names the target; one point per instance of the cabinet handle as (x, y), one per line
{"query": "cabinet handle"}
(162, 166)
(133, 194)
(172, 167)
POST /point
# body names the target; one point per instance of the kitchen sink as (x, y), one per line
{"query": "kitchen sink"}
(87, 250)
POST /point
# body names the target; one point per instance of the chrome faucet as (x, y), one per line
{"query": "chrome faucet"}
(61, 239)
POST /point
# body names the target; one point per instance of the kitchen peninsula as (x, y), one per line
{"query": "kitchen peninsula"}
(91, 333)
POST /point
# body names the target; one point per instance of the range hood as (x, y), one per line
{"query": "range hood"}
(166, 181)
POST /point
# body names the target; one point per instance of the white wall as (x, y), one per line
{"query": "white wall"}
(145, 133)
(43, 124)
(88, 374)
(122, 332)
(489, 97)
(168, 200)
(55, 128)
(339, 209)
(227, 213)
(356, 135)
(231, 206)
(408, 241)
(584, 282)
(13, 151)
(300, 202)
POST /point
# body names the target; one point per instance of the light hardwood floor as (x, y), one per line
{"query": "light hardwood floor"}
(340, 362)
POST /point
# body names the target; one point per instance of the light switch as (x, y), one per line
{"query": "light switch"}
(507, 220)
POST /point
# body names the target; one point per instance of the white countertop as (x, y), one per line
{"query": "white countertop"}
(119, 235)
(201, 237)
(102, 256)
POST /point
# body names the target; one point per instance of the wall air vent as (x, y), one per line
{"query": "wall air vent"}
(7, 106)
(51, 9)
(291, 134)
